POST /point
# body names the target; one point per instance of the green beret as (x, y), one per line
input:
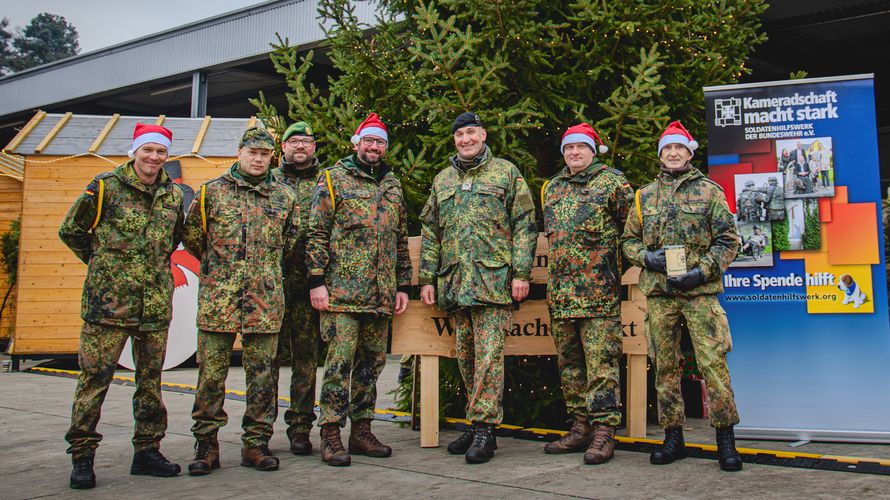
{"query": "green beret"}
(299, 128)
(257, 137)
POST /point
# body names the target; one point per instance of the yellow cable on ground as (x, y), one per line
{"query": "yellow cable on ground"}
(540, 431)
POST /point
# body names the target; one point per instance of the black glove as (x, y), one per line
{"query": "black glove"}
(687, 281)
(655, 261)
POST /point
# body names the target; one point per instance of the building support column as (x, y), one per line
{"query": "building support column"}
(199, 94)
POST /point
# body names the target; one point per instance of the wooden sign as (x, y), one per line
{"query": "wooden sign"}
(424, 329)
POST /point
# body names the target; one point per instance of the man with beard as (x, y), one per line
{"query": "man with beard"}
(298, 341)
(359, 275)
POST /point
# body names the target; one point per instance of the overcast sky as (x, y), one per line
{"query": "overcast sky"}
(101, 23)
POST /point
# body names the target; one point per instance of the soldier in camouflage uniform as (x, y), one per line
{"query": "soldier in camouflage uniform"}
(775, 200)
(241, 225)
(298, 341)
(749, 203)
(359, 274)
(125, 226)
(683, 207)
(585, 206)
(478, 244)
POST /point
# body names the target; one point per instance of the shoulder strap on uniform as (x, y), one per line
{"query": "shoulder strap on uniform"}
(712, 181)
(101, 197)
(543, 187)
(203, 207)
(327, 176)
(639, 210)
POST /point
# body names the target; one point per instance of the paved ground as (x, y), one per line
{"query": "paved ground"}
(34, 414)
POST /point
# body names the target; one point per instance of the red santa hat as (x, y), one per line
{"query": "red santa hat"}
(583, 133)
(676, 133)
(145, 133)
(371, 126)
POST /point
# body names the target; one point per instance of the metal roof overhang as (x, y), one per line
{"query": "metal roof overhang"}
(206, 44)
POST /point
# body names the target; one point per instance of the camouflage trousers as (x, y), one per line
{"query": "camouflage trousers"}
(709, 331)
(356, 356)
(480, 333)
(100, 348)
(298, 346)
(258, 359)
(588, 350)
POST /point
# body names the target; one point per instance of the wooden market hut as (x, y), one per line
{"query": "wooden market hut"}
(61, 154)
(11, 172)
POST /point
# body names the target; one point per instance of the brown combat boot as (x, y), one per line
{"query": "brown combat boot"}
(363, 442)
(577, 439)
(300, 444)
(603, 446)
(206, 458)
(260, 458)
(332, 451)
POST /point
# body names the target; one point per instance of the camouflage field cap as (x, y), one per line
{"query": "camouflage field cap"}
(257, 137)
(299, 128)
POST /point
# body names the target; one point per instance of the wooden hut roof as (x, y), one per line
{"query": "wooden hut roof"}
(56, 134)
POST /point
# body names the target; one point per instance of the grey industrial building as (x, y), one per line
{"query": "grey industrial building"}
(213, 66)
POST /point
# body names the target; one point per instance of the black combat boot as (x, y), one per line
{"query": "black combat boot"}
(484, 444)
(82, 476)
(150, 462)
(730, 460)
(460, 445)
(674, 447)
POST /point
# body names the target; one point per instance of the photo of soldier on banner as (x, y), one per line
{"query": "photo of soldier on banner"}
(759, 197)
(807, 165)
(756, 246)
(800, 229)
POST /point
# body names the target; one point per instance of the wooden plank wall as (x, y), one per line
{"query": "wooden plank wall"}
(50, 276)
(10, 209)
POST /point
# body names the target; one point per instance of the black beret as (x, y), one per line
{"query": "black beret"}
(466, 119)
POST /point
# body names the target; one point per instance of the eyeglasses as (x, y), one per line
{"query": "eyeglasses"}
(301, 142)
(370, 141)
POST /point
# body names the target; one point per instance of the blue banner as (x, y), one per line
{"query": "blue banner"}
(807, 296)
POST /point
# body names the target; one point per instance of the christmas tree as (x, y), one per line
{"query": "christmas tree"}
(529, 68)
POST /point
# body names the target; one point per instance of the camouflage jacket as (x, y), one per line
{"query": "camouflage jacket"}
(249, 231)
(358, 239)
(478, 234)
(748, 205)
(584, 216)
(775, 199)
(128, 283)
(303, 183)
(689, 210)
